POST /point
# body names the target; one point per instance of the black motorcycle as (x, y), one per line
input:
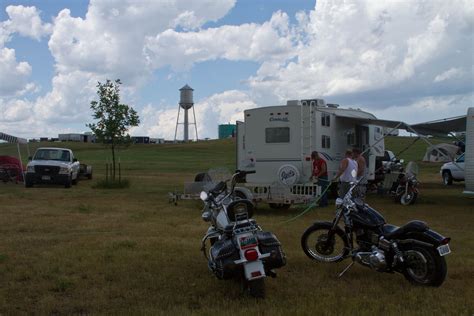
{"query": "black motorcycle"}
(413, 250)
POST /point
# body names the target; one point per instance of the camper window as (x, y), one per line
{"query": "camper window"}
(325, 119)
(277, 135)
(325, 141)
(351, 138)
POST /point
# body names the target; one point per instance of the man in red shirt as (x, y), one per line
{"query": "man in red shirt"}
(320, 176)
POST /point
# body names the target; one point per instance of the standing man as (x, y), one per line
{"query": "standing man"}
(346, 174)
(320, 176)
(361, 188)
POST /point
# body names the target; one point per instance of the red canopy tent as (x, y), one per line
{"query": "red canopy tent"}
(11, 167)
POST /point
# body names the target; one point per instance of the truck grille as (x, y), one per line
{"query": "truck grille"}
(50, 170)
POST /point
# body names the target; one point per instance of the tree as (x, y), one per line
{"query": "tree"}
(114, 118)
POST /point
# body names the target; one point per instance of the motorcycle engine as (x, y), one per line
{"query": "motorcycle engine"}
(374, 259)
(377, 259)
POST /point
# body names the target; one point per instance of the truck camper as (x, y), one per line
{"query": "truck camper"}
(277, 141)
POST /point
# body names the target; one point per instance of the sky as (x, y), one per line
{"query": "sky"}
(401, 60)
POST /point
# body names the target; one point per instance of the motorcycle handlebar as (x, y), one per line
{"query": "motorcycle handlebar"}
(243, 172)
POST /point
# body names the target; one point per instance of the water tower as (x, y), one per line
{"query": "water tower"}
(186, 103)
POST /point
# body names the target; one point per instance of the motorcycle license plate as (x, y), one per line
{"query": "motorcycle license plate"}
(247, 242)
(47, 178)
(444, 250)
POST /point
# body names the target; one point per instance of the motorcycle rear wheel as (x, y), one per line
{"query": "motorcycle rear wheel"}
(424, 266)
(316, 245)
(256, 288)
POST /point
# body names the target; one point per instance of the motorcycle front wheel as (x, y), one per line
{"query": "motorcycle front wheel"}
(408, 198)
(424, 266)
(317, 244)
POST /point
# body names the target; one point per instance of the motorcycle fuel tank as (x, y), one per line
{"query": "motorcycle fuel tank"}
(365, 216)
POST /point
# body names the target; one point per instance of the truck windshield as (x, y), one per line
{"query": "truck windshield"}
(52, 154)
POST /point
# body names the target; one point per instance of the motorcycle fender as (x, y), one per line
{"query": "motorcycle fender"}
(254, 270)
(428, 237)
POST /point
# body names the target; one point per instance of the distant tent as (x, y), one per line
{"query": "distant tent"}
(441, 153)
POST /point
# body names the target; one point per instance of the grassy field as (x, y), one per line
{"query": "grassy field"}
(92, 251)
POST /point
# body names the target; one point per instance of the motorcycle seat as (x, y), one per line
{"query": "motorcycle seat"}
(395, 232)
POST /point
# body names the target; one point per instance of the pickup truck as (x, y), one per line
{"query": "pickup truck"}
(451, 171)
(52, 166)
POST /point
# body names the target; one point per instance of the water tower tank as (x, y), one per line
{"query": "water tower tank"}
(186, 98)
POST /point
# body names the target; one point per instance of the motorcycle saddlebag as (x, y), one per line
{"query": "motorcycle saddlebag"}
(268, 243)
(224, 253)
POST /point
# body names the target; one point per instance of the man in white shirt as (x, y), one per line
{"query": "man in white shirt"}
(346, 174)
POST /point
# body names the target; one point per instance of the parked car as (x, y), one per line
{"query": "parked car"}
(453, 171)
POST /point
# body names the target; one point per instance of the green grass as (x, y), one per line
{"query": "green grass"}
(95, 251)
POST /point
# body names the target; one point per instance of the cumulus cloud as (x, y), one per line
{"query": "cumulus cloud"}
(26, 21)
(355, 47)
(15, 75)
(256, 42)
(370, 54)
(451, 73)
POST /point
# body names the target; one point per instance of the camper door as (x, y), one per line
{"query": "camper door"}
(369, 138)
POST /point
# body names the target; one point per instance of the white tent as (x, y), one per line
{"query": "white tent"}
(441, 153)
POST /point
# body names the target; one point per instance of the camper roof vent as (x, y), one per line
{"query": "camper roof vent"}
(314, 102)
(332, 105)
(293, 102)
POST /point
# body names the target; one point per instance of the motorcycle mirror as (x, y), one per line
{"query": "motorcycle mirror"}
(203, 196)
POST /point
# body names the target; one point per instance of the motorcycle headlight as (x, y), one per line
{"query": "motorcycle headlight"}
(30, 169)
(64, 170)
(203, 196)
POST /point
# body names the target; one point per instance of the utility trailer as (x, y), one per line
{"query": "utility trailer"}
(277, 141)
(206, 181)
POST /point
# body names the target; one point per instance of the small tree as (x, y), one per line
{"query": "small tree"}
(114, 118)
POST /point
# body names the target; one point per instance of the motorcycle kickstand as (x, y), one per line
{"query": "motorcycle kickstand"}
(345, 269)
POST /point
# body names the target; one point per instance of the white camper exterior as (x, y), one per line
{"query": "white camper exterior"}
(277, 142)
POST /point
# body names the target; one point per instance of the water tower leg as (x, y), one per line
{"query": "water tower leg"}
(195, 125)
(177, 123)
(186, 126)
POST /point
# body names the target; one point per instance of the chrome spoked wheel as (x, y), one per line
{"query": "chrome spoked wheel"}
(320, 245)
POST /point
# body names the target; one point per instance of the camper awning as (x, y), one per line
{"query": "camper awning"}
(444, 126)
(12, 139)
(439, 127)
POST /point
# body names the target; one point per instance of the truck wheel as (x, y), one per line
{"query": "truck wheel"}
(68, 182)
(447, 178)
(74, 182)
(28, 184)
(89, 176)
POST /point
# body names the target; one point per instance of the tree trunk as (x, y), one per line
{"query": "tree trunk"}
(113, 161)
